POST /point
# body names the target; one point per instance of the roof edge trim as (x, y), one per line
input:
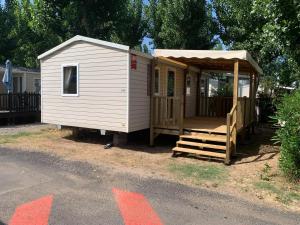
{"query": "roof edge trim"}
(85, 39)
(142, 54)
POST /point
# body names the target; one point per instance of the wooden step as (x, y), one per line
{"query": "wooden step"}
(200, 152)
(202, 145)
(220, 131)
(205, 137)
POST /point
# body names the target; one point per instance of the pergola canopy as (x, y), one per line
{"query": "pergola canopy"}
(212, 59)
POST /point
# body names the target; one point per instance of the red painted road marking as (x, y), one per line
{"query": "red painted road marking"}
(135, 209)
(33, 213)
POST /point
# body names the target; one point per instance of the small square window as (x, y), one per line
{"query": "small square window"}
(70, 80)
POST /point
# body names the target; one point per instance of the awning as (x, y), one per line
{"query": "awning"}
(212, 59)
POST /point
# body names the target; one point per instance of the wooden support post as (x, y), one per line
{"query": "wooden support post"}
(254, 101)
(184, 90)
(251, 97)
(207, 97)
(243, 133)
(181, 115)
(198, 93)
(235, 102)
(152, 108)
(228, 142)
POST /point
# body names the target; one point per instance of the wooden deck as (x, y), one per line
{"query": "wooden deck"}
(205, 124)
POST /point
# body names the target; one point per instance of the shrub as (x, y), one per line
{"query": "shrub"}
(288, 134)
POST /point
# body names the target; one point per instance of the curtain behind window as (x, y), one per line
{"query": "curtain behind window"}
(70, 80)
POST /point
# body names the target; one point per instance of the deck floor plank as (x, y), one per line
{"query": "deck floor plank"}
(206, 124)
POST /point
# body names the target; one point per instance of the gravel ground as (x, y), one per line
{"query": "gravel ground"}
(36, 127)
(82, 194)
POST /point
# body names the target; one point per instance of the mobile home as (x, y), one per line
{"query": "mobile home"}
(95, 84)
(24, 80)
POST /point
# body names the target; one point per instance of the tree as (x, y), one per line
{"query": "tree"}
(255, 25)
(282, 22)
(30, 28)
(8, 40)
(131, 28)
(92, 18)
(30, 31)
(180, 24)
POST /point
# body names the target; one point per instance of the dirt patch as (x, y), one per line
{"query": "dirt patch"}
(254, 174)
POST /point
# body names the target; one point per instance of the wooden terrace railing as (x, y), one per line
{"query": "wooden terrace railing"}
(216, 106)
(25, 102)
(231, 132)
(238, 119)
(244, 114)
(168, 112)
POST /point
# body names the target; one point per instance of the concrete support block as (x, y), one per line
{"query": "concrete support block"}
(75, 131)
(120, 139)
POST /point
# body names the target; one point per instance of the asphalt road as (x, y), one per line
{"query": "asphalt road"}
(82, 194)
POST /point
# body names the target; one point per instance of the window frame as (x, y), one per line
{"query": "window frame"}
(188, 77)
(62, 79)
(175, 83)
(157, 93)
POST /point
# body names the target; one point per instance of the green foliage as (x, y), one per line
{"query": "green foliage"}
(181, 24)
(288, 134)
(91, 18)
(282, 24)
(7, 38)
(266, 173)
(30, 28)
(132, 28)
(269, 30)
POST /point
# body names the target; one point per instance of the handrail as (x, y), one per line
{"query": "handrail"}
(233, 109)
(231, 126)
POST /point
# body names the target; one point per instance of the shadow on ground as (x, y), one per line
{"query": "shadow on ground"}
(137, 141)
(257, 147)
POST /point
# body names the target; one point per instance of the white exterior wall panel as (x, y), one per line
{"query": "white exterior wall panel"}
(103, 88)
(139, 98)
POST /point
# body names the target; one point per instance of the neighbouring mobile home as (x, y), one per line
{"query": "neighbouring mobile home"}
(22, 102)
(24, 80)
(89, 83)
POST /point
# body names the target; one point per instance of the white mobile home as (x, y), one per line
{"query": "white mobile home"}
(95, 84)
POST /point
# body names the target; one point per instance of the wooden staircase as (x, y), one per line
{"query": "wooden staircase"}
(202, 143)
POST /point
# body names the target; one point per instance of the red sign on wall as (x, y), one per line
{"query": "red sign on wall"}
(133, 62)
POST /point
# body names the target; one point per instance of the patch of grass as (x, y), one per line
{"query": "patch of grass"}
(200, 173)
(4, 139)
(284, 196)
(266, 186)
